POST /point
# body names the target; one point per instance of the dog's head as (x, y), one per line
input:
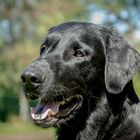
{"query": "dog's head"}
(78, 63)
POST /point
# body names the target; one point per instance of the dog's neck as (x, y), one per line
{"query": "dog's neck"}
(102, 123)
(101, 119)
(66, 132)
(70, 129)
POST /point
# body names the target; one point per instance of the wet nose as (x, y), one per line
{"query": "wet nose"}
(32, 77)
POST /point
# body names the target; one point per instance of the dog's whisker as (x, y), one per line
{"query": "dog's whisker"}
(95, 97)
(76, 87)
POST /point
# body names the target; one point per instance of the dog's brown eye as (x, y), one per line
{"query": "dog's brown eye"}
(79, 53)
(43, 48)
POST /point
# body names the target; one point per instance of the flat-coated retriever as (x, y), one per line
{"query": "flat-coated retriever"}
(83, 78)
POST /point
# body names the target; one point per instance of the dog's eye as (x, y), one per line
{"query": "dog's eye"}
(79, 53)
(42, 50)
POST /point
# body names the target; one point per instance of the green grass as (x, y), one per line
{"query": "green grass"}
(16, 127)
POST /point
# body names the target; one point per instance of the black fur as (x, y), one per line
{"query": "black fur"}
(96, 65)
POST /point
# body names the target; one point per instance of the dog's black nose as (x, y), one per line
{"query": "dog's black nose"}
(32, 77)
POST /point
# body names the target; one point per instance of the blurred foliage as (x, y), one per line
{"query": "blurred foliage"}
(22, 19)
(136, 81)
(12, 62)
(117, 11)
(23, 24)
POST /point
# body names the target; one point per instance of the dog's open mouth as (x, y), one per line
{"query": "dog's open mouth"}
(48, 111)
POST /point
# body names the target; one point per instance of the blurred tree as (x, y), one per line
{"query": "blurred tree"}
(24, 19)
(116, 12)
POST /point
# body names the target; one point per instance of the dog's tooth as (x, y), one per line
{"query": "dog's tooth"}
(63, 102)
(67, 100)
(45, 114)
(48, 113)
(37, 116)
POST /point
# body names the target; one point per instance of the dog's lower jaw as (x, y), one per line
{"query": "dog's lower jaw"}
(69, 130)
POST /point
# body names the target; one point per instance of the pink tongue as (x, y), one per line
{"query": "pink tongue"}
(43, 111)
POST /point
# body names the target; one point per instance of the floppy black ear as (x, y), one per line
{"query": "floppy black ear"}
(122, 62)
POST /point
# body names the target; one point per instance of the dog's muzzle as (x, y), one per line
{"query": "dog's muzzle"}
(33, 77)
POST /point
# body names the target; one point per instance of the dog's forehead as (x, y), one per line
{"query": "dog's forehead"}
(74, 30)
(71, 26)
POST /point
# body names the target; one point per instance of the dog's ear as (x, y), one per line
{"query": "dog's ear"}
(122, 62)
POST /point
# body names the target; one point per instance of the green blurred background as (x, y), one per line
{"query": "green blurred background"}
(23, 25)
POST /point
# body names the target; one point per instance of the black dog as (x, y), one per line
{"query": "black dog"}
(83, 79)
